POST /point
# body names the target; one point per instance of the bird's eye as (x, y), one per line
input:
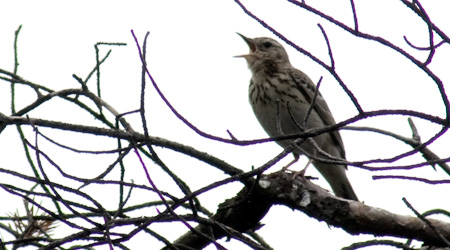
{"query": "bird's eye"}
(267, 45)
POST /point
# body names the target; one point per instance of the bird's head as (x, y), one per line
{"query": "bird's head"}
(264, 51)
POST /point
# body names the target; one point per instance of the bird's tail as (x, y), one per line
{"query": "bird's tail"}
(336, 177)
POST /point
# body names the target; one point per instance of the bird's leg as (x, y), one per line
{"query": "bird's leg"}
(296, 157)
(302, 172)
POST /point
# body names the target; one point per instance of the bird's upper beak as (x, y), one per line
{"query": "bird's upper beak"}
(251, 45)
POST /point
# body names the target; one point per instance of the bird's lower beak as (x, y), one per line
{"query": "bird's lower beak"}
(251, 45)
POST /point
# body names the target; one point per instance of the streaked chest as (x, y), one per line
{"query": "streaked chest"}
(267, 89)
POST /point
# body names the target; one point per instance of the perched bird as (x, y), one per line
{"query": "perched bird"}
(281, 97)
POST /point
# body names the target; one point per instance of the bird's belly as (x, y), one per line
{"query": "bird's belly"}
(286, 117)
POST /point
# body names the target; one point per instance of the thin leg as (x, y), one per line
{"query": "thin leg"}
(302, 172)
(296, 157)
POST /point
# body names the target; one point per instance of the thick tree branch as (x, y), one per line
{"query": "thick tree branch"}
(251, 204)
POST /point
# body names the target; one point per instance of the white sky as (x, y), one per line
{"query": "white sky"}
(190, 51)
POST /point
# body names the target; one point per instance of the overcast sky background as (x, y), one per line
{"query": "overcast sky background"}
(190, 54)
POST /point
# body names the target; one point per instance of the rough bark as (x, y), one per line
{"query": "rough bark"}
(250, 205)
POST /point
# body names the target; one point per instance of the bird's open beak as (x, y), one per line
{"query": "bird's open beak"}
(251, 45)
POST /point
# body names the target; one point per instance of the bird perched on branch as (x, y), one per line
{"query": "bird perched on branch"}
(286, 102)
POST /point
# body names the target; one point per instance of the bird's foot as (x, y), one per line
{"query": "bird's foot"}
(296, 157)
(302, 172)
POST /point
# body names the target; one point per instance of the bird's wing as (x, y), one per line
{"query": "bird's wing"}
(308, 89)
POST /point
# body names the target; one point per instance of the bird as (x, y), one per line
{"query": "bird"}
(286, 102)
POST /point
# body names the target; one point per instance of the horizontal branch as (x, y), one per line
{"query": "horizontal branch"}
(353, 217)
(120, 134)
(297, 192)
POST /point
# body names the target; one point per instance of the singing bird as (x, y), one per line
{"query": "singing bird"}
(281, 97)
